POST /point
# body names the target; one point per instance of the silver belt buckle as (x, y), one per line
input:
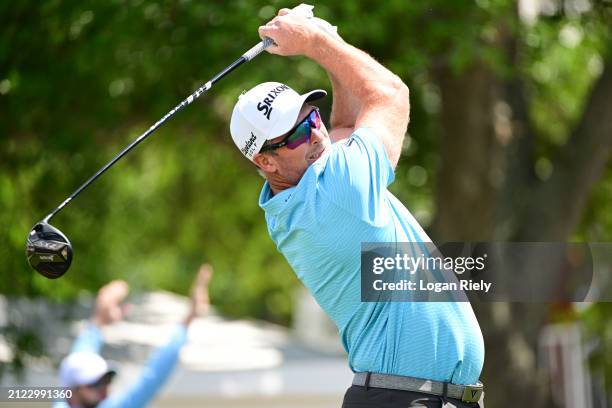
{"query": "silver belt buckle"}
(471, 394)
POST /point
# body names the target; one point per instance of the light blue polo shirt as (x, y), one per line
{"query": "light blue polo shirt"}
(341, 201)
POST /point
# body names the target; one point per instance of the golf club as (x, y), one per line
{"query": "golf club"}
(48, 250)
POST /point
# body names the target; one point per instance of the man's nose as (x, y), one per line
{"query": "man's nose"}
(316, 136)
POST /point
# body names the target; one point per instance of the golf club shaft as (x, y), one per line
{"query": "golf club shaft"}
(247, 56)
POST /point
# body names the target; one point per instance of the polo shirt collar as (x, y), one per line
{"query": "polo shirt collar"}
(274, 204)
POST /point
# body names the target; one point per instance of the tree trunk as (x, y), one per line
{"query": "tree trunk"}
(477, 131)
(486, 191)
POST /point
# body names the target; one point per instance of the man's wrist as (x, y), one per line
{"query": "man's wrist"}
(94, 327)
(100, 319)
(188, 319)
(319, 41)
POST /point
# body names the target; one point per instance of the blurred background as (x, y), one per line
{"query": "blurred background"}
(510, 139)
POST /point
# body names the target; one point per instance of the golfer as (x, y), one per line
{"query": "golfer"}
(327, 192)
(87, 374)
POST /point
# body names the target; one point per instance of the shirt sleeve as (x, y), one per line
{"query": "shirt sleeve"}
(89, 340)
(358, 173)
(153, 376)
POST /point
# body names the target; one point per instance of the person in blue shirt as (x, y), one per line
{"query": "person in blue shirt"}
(326, 193)
(87, 374)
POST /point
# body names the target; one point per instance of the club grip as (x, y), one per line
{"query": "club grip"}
(303, 9)
(257, 49)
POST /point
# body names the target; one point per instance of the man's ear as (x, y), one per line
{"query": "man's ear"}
(265, 162)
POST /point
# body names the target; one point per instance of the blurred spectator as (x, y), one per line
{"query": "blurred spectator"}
(89, 376)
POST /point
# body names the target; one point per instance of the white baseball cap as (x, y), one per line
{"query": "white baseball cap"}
(83, 368)
(265, 112)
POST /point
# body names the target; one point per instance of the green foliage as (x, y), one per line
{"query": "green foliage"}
(596, 320)
(86, 78)
(564, 58)
(24, 344)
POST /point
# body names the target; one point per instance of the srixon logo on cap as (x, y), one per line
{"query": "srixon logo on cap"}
(248, 146)
(265, 106)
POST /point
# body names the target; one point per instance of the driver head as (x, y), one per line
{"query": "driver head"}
(48, 250)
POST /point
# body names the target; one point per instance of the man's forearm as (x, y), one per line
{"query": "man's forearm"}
(345, 106)
(382, 99)
(355, 71)
(155, 373)
(90, 340)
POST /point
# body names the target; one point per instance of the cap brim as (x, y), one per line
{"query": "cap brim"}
(291, 116)
(110, 374)
(314, 95)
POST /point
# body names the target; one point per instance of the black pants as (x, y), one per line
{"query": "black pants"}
(362, 397)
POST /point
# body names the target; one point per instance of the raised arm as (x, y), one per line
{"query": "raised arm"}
(153, 375)
(164, 359)
(345, 110)
(108, 309)
(200, 302)
(345, 107)
(382, 98)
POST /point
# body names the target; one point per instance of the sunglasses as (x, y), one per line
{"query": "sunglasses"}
(299, 134)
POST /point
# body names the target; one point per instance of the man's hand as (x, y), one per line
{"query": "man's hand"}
(292, 33)
(199, 293)
(108, 303)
